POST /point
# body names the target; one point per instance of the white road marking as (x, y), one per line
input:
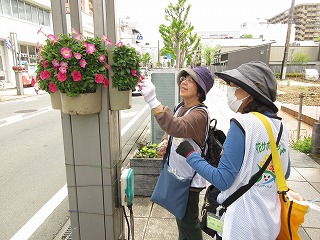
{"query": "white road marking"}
(31, 226)
(126, 115)
(129, 125)
(18, 118)
(35, 222)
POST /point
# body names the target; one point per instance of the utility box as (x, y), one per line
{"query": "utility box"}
(167, 92)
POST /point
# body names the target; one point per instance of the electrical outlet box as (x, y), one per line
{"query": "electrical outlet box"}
(127, 186)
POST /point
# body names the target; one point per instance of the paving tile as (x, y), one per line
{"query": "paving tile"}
(165, 228)
(295, 175)
(160, 212)
(310, 174)
(313, 233)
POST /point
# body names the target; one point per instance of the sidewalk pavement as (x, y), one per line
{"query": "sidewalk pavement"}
(151, 222)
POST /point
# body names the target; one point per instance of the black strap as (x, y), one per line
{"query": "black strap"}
(233, 197)
(167, 154)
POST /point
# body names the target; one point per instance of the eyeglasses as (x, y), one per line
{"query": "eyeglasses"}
(188, 78)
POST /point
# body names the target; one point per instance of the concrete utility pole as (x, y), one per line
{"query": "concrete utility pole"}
(286, 47)
(92, 143)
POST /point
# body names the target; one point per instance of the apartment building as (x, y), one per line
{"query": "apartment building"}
(306, 18)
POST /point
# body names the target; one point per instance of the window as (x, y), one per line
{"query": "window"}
(28, 12)
(46, 17)
(22, 10)
(41, 21)
(34, 14)
(6, 9)
(15, 12)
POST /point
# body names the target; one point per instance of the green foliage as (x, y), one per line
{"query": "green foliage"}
(126, 67)
(247, 36)
(290, 74)
(300, 58)
(146, 58)
(209, 52)
(146, 150)
(302, 145)
(59, 64)
(179, 41)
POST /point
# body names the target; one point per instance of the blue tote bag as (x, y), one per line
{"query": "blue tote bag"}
(172, 192)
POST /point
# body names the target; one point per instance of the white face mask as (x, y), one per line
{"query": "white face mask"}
(233, 102)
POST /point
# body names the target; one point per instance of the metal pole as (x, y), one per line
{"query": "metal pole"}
(16, 62)
(286, 48)
(299, 115)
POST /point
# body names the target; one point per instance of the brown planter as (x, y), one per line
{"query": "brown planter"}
(83, 104)
(146, 173)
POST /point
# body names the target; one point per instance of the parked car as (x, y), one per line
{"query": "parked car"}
(136, 91)
(310, 74)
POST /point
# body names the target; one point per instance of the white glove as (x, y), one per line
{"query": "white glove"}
(148, 91)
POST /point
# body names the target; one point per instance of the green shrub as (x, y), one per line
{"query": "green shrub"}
(302, 145)
(146, 150)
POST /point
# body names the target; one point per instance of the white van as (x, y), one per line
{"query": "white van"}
(310, 74)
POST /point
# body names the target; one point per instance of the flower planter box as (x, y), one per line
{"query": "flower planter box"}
(146, 173)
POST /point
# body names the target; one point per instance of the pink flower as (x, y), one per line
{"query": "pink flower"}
(55, 63)
(64, 64)
(106, 40)
(85, 43)
(45, 75)
(52, 87)
(90, 48)
(63, 69)
(83, 63)
(66, 52)
(76, 76)
(74, 31)
(107, 66)
(106, 82)
(62, 76)
(141, 77)
(77, 36)
(101, 58)
(77, 55)
(134, 72)
(119, 44)
(53, 38)
(39, 31)
(45, 64)
(99, 78)
(33, 82)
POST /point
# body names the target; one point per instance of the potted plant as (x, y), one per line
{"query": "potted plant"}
(75, 66)
(147, 166)
(125, 74)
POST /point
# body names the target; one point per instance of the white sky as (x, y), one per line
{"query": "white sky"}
(205, 15)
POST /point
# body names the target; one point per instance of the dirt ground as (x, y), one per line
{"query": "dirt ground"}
(290, 90)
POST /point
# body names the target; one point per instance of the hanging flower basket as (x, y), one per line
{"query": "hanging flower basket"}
(83, 104)
(55, 100)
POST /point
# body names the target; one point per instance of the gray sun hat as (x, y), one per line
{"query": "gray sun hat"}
(201, 75)
(257, 79)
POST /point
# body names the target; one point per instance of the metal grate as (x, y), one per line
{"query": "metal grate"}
(67, 235)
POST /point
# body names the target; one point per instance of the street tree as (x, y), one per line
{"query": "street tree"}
(179, 40)
(300, 58)
(209, 52)
(146, 58)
